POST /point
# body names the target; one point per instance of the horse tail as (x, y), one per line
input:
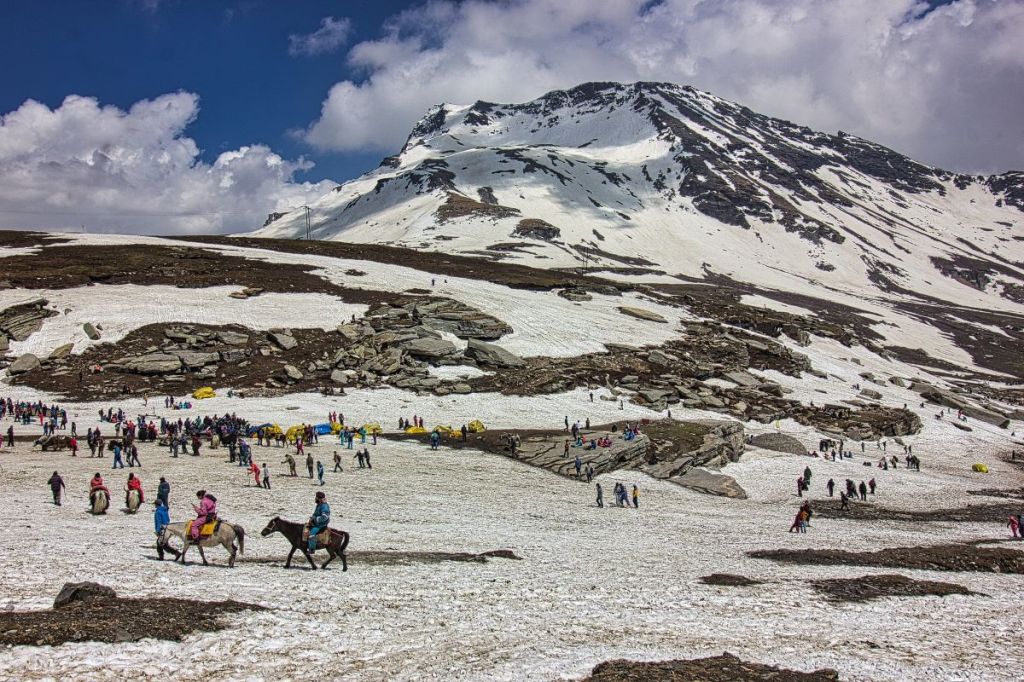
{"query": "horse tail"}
(344, 541)
(240, 532)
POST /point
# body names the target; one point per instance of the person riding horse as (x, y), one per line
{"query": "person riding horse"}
(319, 520)
(134, 483)
(96, 484)
(206, 511)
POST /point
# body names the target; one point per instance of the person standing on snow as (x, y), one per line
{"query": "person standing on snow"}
(600, 496)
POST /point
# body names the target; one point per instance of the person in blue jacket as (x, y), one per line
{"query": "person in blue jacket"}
(319, 520)
(161, 518)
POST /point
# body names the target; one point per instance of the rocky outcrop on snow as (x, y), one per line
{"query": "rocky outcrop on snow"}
(23, 364)
(19, 322)
(779, 442)
(490, 355)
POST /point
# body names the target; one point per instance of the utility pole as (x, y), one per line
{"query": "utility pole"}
(307, 221)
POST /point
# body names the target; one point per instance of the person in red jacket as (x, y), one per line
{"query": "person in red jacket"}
(134, 483)
(254, 469)
(73, 444)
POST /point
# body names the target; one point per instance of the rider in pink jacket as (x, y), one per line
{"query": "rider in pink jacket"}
(206, 511)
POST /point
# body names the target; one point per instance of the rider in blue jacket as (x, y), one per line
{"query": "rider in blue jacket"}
(321, 517)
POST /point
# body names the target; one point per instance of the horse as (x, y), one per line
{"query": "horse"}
(225, 536)
(134, 500)
(99, 501)
(293, 533)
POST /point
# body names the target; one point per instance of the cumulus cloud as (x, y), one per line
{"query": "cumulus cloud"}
(135, 171)
(943, 84)
(332, 34)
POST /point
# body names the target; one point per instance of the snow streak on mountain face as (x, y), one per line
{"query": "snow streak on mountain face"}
(654, 179)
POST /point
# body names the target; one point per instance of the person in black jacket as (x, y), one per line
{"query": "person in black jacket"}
(56, 487)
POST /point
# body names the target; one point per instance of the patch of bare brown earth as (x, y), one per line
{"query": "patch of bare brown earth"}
(868, 587)
(87, 612)
(955, 558)
(729, 580)
(724, 668)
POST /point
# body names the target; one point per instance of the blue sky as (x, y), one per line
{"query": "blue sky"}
(203, 116)
(234, 55)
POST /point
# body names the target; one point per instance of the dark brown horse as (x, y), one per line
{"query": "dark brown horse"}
(293, 533)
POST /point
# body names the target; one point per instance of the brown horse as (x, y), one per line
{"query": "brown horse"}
(293, 533)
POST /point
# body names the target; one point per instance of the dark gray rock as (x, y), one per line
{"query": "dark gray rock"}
(282, 340)
(90, 330)
(72, 592)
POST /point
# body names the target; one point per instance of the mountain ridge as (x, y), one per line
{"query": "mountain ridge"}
(648, 180)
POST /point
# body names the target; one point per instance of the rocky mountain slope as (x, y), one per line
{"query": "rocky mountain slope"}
(659, 178)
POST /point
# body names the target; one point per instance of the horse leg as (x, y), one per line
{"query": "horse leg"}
(234, 550)
(184, 548)
(202, 554)
(344, 562)
(309, 557)
(288, 562)
(330, 557)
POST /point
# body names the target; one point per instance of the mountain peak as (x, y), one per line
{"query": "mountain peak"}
(658, 177)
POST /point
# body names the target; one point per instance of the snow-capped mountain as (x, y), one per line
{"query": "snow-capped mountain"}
(653, 178)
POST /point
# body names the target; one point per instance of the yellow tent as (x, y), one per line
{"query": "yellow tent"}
(444, 429)
(980, 468)
(476, 426)
(294, 431)
(415, 429)
(204, 392)
(272, 430)
(373, 427)
(336, 427)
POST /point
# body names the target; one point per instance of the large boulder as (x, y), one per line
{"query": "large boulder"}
(779, 442)
(197, 359)
(72, 592)
(490, 355)
(705, 481)
(62, 351)
(24, 363)
(151, 363)
(431, 349)
(742, 378)
(232, 338)
(946, 398)
(641, 314)
(91, 331)
(292, 372)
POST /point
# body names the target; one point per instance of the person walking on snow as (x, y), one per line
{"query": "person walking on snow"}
(600, 496)
(320, 471)
(337, 462)
(266, 476)
(871, 486)
(863, 492)
(636, 497)
(830, 486)
(57, 487)
(309, 465)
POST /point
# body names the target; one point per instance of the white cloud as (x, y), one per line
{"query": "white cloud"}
(135, 171)
(332, 34)
(945, 86)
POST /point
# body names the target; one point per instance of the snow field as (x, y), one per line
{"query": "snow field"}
(592, 584)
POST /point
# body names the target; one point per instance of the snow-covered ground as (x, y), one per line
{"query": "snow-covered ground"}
(592, 584)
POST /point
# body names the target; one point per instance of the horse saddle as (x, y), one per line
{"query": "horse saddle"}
(208, 529)
(323, 538)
